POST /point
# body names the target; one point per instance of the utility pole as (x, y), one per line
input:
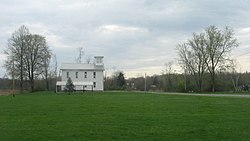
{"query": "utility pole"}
(145, 84)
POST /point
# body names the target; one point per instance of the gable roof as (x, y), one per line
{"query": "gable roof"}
(78, 66)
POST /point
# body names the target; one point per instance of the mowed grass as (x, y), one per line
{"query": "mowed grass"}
(124, 116)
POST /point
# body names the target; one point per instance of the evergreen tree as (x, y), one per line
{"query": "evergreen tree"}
(121, 80)
(70, 87)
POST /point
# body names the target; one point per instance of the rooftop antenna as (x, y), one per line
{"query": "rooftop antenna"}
(81, 53)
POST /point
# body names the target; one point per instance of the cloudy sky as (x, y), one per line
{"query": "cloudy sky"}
(135, 36)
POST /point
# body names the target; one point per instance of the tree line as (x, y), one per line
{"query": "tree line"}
(176, 82)
(204, 59)
(206, 64)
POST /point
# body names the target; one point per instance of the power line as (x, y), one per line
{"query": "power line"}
(242, 54)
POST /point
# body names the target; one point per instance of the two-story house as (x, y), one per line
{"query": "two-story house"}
(84, 76)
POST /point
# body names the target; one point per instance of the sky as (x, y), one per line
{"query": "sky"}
(134, 36)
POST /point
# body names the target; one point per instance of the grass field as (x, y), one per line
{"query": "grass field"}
(123, 116)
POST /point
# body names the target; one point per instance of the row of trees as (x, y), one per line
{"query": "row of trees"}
(205, 59)
(28, 57)
(175, 82)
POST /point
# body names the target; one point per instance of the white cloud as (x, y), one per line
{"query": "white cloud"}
(119, 28)
(77, 5)
(243, 35)
(245, 30)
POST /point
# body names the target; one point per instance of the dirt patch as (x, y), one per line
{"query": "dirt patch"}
(8, 92)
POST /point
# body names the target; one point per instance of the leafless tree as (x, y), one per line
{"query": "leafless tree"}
(88, 59)
(36, 57)
(167, 75)
(193, 57)
(46, 72)
(29, 53)
(54, 65)
(235, 76)
(53, 71)
(207, 51)
(219, 43)
(169, 67)
(15, 52)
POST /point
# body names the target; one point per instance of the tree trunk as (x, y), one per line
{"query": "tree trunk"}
(21, 71)
(47, 84)
(46, 80)
(200, 85)
(32, 85)
(32, 79)
(213, 81)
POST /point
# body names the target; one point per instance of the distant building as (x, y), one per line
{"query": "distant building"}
(84, 76)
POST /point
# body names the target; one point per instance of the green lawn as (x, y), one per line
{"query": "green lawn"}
(123, 116)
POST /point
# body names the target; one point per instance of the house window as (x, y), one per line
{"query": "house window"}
(85, 74)
(94, 74)
(94, 84)
(98, 60)
(76, 74)
(67, 74)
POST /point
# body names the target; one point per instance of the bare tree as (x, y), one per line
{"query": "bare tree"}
(193, 57)
(235, 76)
(46, 72)
(50, 71)
(37, 57)
(54, 65)
(88, 59)
(207, 51)
(198, 46)
(15, 52)
(219, 44)
(167, 73)
(168, 67)
(30, 55)
(54, 70)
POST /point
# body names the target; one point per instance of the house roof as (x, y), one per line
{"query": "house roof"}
(78, 66)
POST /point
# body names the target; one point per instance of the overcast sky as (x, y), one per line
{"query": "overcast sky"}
(135, 36)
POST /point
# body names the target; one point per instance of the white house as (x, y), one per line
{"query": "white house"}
(84, 76)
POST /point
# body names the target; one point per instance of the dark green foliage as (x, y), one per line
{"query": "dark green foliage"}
(123, 116)
(115, 82)
(70, 87)
(120, 80)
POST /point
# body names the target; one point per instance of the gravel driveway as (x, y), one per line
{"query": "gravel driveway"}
(209, 95)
